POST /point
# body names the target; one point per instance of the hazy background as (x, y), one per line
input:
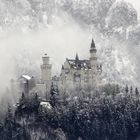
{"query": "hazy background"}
(62, 28)
(136, 4)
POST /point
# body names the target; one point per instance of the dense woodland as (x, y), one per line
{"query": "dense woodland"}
(109, 114)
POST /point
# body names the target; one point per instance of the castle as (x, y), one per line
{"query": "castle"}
(75, 74)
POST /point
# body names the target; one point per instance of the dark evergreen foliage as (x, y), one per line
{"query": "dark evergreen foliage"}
(131, 89)
(54, 92)
(111, 89)
(102, 117)
(136, 91)
(126, 89)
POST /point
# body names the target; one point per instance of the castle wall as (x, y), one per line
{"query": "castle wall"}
(72, 78)
(78, 79)
(41, 89)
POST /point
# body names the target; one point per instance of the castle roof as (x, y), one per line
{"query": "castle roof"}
(92, 44)
(79, 64)
(62, 67)
(27, 77)
(77, 58)
(93, 47)
(82, 64)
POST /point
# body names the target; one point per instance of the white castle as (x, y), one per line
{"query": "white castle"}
(75, 74)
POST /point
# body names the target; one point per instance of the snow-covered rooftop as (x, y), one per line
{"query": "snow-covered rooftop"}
(79, 64)
(26, 77)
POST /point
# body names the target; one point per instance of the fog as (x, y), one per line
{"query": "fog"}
(21, 52)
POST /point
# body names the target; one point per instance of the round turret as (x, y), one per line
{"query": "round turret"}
(45, 59)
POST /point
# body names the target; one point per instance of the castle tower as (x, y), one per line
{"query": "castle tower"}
(46, 70)
(77, 57)
(93, 57)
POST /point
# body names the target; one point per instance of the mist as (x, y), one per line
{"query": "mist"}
(21, 52)
(65, 35)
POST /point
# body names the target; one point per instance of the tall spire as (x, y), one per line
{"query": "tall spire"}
(76, 58)
(92, 44)
(92, 47)
(62, 67)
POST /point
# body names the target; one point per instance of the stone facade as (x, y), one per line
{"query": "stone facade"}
(75, 74)
(80, 74)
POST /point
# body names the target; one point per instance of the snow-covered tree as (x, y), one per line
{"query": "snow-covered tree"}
(134, 36)
(121, 14)
(53, 95)
(137, 91)
(126, 89)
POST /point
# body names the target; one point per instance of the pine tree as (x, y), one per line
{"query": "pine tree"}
(36, 103)
(117, 89)
(9, 113)
(136, 91)
(126, 89)
(36, 99)
(22, 104)
(57, 90)
(8, 124)
(53, 92)
(23, 99)
(131, 89)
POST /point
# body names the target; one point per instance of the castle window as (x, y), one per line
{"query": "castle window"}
(77, 77)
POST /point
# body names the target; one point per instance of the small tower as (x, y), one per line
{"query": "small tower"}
(77, 61)
(46, 70)
(77, 58)
(93, 57)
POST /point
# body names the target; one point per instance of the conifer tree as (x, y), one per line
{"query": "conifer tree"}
(36, 103)
(9, 115)
(8, 124)
(131, 89)
(22, 102)
(126, 89)
(136, 91)
(36, 99)
(53, 92)
(117, 89)
(23, 99)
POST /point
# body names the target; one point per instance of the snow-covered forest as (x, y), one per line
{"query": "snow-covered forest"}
(28, 28)
(111, 113)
